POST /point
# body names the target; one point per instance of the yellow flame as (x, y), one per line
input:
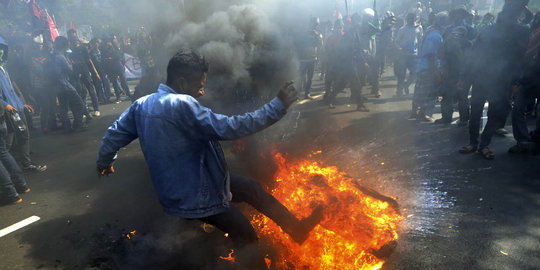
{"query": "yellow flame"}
(354, 224)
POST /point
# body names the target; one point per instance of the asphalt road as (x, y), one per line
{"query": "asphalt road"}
(460, 211)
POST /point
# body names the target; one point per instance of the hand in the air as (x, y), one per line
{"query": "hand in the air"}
(288, 94)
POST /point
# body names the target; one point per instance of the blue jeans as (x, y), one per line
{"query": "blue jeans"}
(11, 176)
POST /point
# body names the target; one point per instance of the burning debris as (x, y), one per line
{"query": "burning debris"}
(358, 232)
(229, 258)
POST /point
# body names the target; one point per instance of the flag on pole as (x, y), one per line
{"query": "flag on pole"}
(34, 9)
(52, 28)
(337, 13)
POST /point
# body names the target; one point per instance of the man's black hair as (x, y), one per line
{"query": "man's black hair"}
(185, 63)
(61, 43)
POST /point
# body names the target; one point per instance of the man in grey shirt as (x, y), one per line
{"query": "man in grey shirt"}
(406, 41)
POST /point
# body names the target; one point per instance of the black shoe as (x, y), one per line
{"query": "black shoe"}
(362, 108)
(518, 148)
(12, 200)
(35, 168)
(24, 189)
(308, 96)
(300, 231)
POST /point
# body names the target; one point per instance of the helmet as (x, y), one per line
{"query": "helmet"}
(369, 12)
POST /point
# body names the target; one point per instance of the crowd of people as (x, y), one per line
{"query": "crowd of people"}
(456, 58)
(47, 79)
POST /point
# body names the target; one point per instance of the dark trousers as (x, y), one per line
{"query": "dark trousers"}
(70, 99)
(529, 90)
(450, 95)
(401, 65)
(373, 74)
(83, 85)
(119, 84)
(106, 86)
(353, 77)
(98, 85)
(18, 142)
(329, 81)
(499, 107)
(11, 176)
(307, 68)
(47, 103)
(238, 226)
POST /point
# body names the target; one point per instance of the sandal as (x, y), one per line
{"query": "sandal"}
(467, 149)
(486, 153)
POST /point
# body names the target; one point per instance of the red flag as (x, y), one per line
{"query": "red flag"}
(52, 27)
(71, 26)
(35, 10)
(337, 14)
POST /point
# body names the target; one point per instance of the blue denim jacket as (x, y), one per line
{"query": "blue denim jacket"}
(179, 139)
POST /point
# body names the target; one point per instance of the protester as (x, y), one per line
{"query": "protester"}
(452, 54)
(428, 71)
(42, 82)
(195, 159)
(500, 49)
(112, 61)
(12, 182)
(353, 65)
(368, 29)
(67, 95)
(18, 139)
(406, 42)
(331, 49)
(148, 80)
(528, 91)
(82, 64)
(384, 40)
(308, 44)
(100, 78)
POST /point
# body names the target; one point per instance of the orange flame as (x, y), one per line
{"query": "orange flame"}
(128, 235)
(229, 258)
(358, 223)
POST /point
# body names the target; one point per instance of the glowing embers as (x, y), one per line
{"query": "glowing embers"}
(230, 257)
(359, 228)
(130, 234)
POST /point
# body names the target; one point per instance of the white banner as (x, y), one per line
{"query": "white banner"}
(132, 67)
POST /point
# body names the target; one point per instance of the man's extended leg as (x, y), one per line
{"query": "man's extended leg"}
(242, 234)
(250, 191)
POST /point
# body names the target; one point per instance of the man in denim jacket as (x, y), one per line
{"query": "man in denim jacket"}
(179, 138)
